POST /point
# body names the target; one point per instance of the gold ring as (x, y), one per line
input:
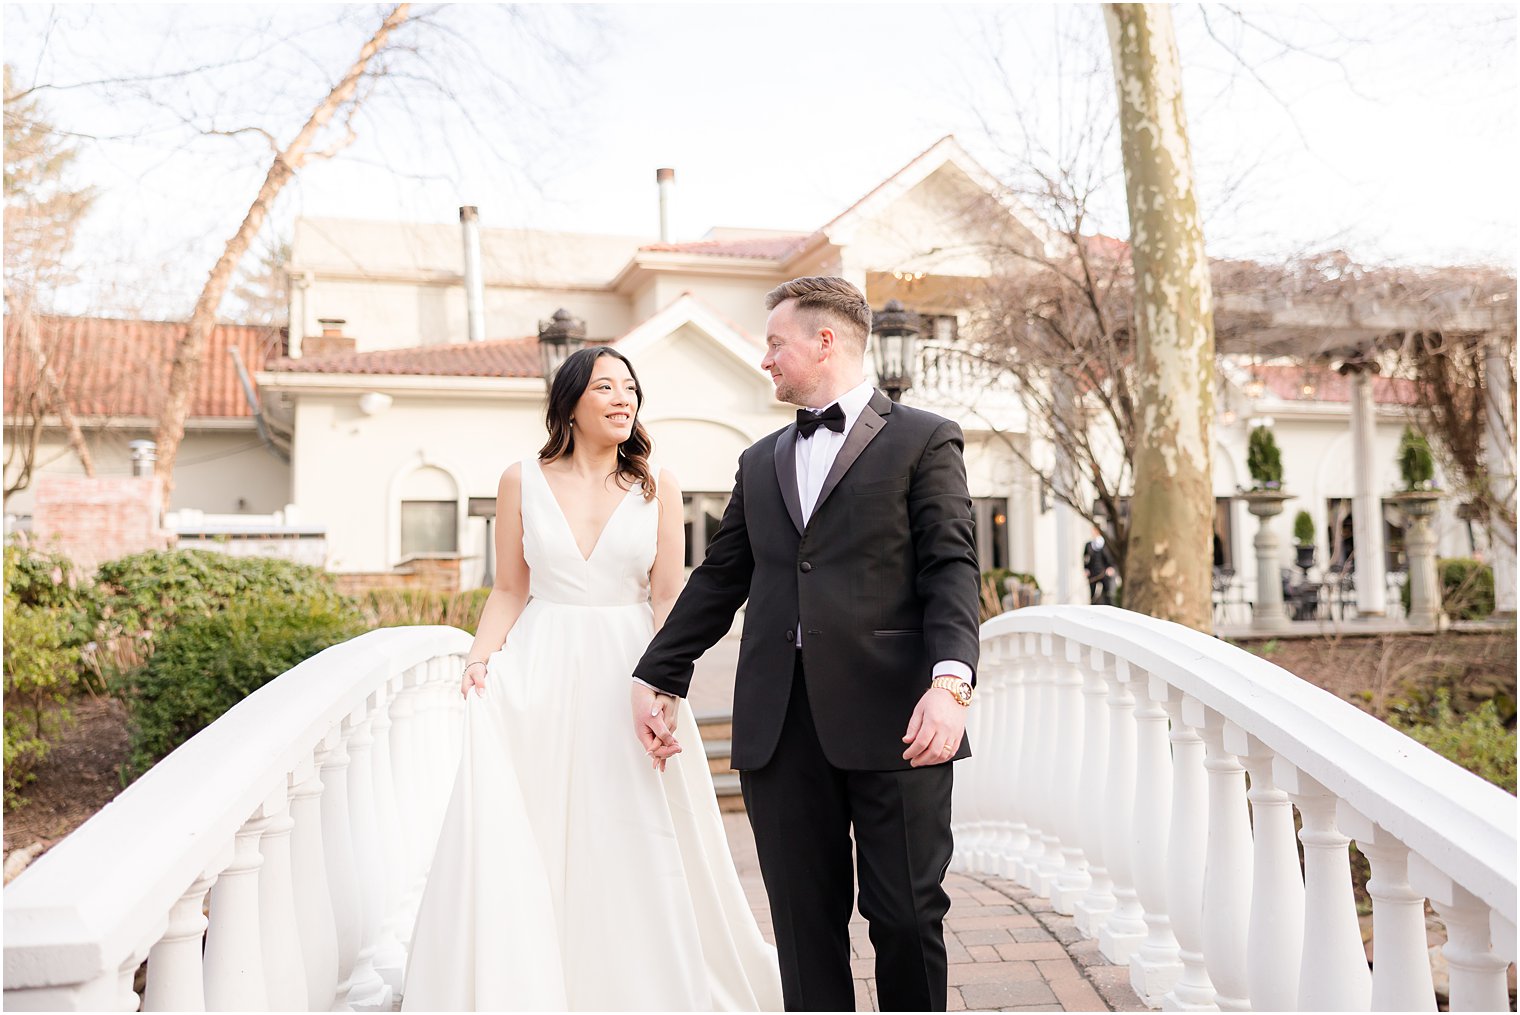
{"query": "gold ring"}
(945, 746)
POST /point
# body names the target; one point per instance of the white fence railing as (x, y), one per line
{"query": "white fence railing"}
(1112, 753)
(308, 813)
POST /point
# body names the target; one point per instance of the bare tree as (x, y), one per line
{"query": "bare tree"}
(1169, 566)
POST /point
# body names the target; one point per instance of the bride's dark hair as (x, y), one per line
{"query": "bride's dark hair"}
(569, 385)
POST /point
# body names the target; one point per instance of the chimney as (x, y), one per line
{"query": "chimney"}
(332, 340)
(666, 178)
(474, 294)
(144, 454)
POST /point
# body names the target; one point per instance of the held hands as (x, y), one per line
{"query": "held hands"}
(654, 723)
(935, 731)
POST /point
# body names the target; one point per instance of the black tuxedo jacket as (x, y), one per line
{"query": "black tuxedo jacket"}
(883, 581)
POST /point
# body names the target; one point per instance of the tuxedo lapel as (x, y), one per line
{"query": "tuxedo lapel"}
(786, 474)
(873, 418)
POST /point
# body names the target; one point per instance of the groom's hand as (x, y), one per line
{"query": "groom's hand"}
(654, 722)
(935, 731)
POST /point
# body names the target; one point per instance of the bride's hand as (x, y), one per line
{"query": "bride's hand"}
(474, 676)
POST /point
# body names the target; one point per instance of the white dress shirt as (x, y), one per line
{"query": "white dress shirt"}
(815, 457)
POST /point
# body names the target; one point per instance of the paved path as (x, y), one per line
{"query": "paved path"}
(1005, 946)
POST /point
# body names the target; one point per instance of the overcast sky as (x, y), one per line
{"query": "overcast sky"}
(1387, 131)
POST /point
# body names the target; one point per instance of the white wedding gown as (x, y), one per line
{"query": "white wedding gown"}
(569, 874)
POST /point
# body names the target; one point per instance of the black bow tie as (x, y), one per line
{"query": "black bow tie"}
(809, 421)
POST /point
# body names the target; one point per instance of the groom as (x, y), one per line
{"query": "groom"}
(850, 534)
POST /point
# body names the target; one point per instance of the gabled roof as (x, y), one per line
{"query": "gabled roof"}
(775, 247)
(503, 357)
(120, 368)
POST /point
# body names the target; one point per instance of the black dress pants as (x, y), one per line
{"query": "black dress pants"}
(801, 809)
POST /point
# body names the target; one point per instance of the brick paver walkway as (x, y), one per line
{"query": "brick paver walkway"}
(1008, 950)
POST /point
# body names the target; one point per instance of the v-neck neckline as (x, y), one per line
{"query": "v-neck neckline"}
(565, 519)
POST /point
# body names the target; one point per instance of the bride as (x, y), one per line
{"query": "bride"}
(574, 872)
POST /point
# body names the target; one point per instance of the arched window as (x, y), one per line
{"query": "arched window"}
(429, 513)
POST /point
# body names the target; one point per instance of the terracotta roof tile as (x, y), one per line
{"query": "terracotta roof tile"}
(1287, 382)
(503, 357)
(112, 367)
(773, 248)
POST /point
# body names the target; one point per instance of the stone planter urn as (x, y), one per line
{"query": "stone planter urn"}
(1419, 506)
(1268, 616)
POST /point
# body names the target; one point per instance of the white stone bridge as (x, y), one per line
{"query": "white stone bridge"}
(1113, 752)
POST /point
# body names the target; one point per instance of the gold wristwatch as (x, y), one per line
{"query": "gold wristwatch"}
(958, 688)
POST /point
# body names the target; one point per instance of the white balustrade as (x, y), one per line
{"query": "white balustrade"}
(1193, 875)
(1093, 908)
(250, 819)
(1074, 879)
(367, 991)
(390, 956)
(1154, 968)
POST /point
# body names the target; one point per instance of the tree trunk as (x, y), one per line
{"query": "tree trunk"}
(1168, 573)
(1499, 453)
(53, 396)
(192, 347)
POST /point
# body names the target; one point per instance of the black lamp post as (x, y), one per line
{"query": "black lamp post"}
(896, 331)
(558, 337)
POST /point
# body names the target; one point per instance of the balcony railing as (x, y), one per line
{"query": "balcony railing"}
(1110, 775)
(1112, 753)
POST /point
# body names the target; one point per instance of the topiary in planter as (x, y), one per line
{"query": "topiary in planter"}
(1264, 460)
(1303, 529)
(1416, 462)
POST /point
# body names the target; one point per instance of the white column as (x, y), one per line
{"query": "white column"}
(1154, 969)
(1188, 845)
(234, 959)
(1499, 454)
(1275, 937)
(1033, 766)
(1074, 879)
(1227, 869)
(1333, 975)
(279, 930)
(1366, 504)
(175, 975)
(1052, 861)
(1125, 927)
(407, 764)
(1093, 908)
(308, 878)
(369, 992)
(1477, 972)
(1013, 834)
(977, 806)
(390, 957)
(1401, 978)
(127, 981)
(338, 851)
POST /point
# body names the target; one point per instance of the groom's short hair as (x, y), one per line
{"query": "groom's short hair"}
(832, 299)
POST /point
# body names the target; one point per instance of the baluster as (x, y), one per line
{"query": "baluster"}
(176, 980)
(390, 956)
(338, 852)
(987, 800)
(1333, 975)
(1093, 908)
(369, 992)
(126, 981)
(1154, 968)
(279, 930)
(1052, 862)
(1067, 805)
(234, 960)
(1124, 929)
(1187, 847)
(410, 722)
(1478, 975)
(1032, 764)
(308, 878)
(1009, 716)
(1401, 978)
(1275, 935)
(965, 799)
(1227, 868)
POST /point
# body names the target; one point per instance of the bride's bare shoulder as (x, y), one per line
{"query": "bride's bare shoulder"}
(511, 479)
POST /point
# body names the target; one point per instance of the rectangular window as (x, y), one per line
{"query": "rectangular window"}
(1224, 543)
(990, 517)
(703, 513)
(429, 526)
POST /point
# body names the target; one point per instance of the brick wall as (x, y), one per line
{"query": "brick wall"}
(92, 520)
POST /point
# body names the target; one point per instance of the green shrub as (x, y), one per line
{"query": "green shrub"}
(1477, 741)
(1416, 462)
(406, 607)
(207, 663)
(1467, 588)
(1263, 459)
(1303, 529)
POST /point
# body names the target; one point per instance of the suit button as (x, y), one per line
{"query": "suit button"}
(806, 567)
(791, 637)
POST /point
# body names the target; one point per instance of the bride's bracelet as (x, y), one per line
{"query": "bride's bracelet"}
(466, 671)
